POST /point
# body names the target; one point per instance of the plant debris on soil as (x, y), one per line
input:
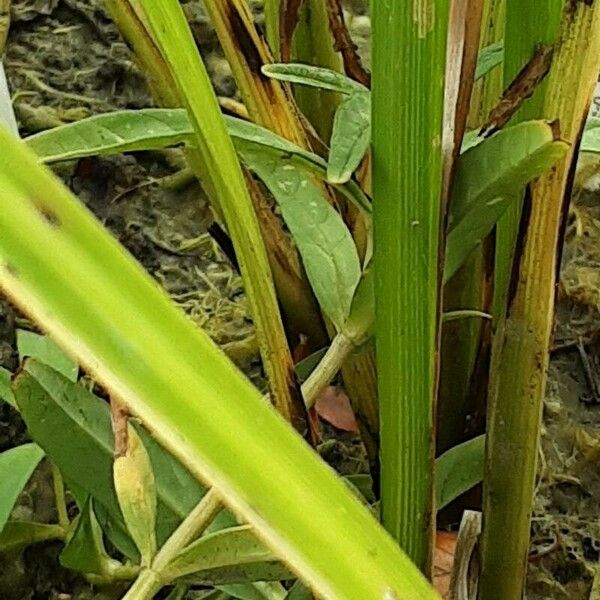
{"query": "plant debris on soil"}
(66, 61)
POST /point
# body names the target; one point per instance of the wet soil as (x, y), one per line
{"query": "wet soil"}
(65, 61)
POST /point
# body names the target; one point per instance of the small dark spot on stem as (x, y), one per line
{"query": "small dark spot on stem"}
(11, 269)
(48, 215)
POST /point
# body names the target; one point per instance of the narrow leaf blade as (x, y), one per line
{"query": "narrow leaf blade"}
(319, 77)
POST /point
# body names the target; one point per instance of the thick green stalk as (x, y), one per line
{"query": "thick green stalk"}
(521, 355)
(314, 45)
(409, 51)
(220, 168)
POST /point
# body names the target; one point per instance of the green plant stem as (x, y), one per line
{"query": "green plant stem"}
(150, 580)
(337, 353)
(524, 33)
(59, 498)
(216, 161)
(520, 357)
(409, 52)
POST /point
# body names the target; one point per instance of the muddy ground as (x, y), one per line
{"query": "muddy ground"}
(65, 61)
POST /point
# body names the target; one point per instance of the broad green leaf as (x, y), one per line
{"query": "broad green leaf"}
(246, 573)
(590, 141)
(319, 77)
(458, 470)
(42, 348)
(489, 57)
(6, 392)
(16, 467)
(70, 141)
(260, 590)
(83, 451)
(99, 304)
(136, 493)
(151, 129)
(350, 138)
(489, 177)
(225, 548)
(17, 535)
(323, 240)
(84, 551)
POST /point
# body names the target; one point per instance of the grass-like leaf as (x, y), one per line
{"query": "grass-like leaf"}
(98, 304)
(16, 467)
(350, 138)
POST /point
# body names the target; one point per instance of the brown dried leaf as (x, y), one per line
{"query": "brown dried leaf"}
(344, 44)
(443, 561)
(334, 407)
(288, 21)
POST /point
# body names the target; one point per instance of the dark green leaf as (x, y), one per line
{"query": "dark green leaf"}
(299, 592)
(243, 573)
(17, 535)
(489, 177)
(489, 57)
(16, 467)
(351, 137)
(306, 366)
(229, 547)
(6, 392)
(83, 451)
(458, 470)
(85, 550)
(261, 590)
(324, 242)
(325, 79)
(42, 348)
